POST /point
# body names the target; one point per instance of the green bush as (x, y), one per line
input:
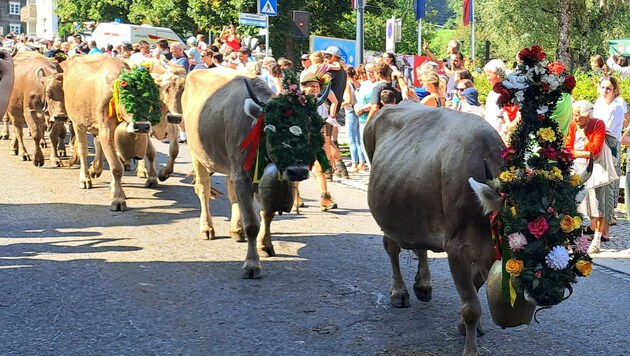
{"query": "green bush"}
(483, 86)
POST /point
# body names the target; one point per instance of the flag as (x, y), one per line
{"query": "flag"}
(468, 12)
(419, 8)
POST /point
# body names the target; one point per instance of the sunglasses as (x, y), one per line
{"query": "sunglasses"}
(327, 56)
(304, 59)
(606, 88)
(460, 89)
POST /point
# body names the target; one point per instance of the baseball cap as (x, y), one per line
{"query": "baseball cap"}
(192, 40)
(334, 51)
(304, 57)
(309, 78)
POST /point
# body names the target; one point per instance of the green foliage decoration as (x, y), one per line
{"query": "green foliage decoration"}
(541, 239)
(293, 128)
(140, 95)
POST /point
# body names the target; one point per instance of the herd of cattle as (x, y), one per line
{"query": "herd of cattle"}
(422, 160)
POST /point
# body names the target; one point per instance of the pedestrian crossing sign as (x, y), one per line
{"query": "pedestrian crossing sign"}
(268, 7)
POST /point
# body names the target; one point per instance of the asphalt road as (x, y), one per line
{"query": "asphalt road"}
(78, 279)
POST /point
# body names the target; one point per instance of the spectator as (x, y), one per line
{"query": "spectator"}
(456, 64)
(431, 81)
(338, 82)
(452, 47)
(230, 38)
(126, 50)
(306, 63)
(285, 63)
(144, 53)
(201, 42)
(161, 49)
(613, 64)
(54, 50)
(276, 78)
(243, 54)
(495, 71)
(383, 73)
(467, 96)
(598, 66)
(207, 61)
(253, 68)
(390, 59)
(388, 97)
(192, 52)
(586, 137)
(94, 48)
(357, 155)
(179, 57)
(217, 59)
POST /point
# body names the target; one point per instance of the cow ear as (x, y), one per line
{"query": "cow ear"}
(490, 199)
(251, 109)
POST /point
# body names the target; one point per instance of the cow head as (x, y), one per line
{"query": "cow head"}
(54, 98)
(294, 167)
(171, 85)
(492, 201)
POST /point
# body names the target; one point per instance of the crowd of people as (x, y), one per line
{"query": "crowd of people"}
(357, 94)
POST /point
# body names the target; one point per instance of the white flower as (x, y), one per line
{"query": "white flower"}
(520, 96)
(296, 130)
(515, 82)
(517, 241)
(542, 110)
(552, 80)
(270, 129)
(558, 258)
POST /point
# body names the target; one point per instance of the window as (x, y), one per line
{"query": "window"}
(14, 8)
(15, 27)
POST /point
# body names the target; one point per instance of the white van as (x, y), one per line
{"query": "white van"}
(115, 33)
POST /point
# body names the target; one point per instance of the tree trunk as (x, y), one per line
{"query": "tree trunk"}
(564, 31)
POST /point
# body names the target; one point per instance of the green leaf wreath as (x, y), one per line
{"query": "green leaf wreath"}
(139, 94)
(293, 128)
(539, 230)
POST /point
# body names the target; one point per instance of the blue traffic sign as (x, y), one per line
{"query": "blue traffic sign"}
(347, 47)
(268, 7)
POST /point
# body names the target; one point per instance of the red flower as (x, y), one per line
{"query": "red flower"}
(538, 226)
(288, 112)
(556, 67)
(538, 274)
(504, 94)
(531, 56)
(537, 53)
(542, 116)
(544, 86)
(549, 152)
(123, 83)
(507, 154)
(569, 83)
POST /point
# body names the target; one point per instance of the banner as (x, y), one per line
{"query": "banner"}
(468, 12)
(419, 8)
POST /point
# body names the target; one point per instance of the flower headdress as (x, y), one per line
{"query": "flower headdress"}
(539, 235)
(139, 94)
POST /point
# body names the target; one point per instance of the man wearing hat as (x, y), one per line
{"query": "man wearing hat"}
(306, 63)
(310, 85)
(338, 81)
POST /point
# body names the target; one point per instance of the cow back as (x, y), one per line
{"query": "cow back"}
(421, 160)
(216, 123)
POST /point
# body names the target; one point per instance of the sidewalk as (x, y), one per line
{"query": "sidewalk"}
(614, 255)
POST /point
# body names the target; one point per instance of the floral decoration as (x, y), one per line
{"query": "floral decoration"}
(139, 94)
(539, 224)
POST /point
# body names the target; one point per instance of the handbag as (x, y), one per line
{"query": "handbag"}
(603, 169)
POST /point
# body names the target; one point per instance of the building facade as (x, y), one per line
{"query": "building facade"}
(10, 16)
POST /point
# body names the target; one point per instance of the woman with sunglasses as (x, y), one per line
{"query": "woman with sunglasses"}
(611, 111)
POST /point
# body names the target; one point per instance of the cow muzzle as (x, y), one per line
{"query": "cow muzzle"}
(60, 118)
(296, 173)
(139, 127)
(173, 118)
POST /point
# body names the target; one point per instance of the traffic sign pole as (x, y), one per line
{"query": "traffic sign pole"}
(267, 38)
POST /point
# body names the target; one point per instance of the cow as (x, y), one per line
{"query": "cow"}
(37, 97)
(88, 85)
(420, 197)
(218, 118)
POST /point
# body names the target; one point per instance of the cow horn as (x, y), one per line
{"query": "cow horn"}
(489, 176)
(253, 95)
(586, 173)
(324, 95)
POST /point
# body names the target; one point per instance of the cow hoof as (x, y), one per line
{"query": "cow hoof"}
(127, 166)
(14, 152)
(162, 176)
(462, 329)
(94, 174)
(207, 235)
(43, 145)
(400, 299)
(38, 163)
(251, 273)
(118, 206)
(423, 292)
(56, 163)
(4, 137)
(151, 183)
(26, 158)
(238, 236)
(142, 174)
(85, 185)
(62, 153)
(266, 251)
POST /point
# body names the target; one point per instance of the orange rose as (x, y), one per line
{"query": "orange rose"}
(555, 67)
(584, 267)
(567, 224)
(514, 267)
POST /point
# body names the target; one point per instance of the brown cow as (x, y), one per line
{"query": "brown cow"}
(37, 94)
(88, 87)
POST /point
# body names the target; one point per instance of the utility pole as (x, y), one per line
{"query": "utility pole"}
(360, 36)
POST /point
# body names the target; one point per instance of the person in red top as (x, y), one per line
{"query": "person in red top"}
(230, 37)
(587, 136)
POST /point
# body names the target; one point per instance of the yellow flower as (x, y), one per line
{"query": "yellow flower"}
(556, 173)
(584, 267)
(567, 224)
(513, 210)
(575, 180)
(546, 134)
(508, 176)
(146, 64)
(577, 222)
(514, 267)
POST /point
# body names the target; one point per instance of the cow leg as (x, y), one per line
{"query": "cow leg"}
(35, 124)
(4, 129)
(399, 296)
(251, 224)
(96, 168)
(173, 151)
(461, 271)
(204, 192)
(17, 142)
(81, 150)
(236, 224)
(61, 146)
(150, 173)
(55, 139)
(106, 139)
(422, 288)
(263, 241)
